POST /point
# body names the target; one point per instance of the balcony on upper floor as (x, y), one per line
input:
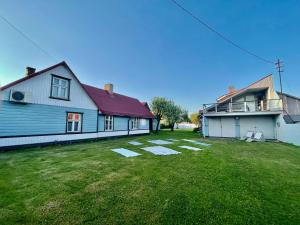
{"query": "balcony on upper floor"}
(267, 106)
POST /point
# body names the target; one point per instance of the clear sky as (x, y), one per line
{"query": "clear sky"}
(150, 48)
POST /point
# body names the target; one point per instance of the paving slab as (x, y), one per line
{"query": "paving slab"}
(135, 143)
(197, 142)
(190, 148)
(160, 150)
(125, 152)
(171, 139)
(160, 142)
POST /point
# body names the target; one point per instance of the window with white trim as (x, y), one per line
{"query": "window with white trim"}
(135, 123)
(74, 123)
(60, 88)
(109, 123)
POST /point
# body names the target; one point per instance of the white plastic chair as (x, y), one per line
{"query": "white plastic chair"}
(249, 135)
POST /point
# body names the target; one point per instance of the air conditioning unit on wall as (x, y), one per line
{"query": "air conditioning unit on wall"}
(19, 96)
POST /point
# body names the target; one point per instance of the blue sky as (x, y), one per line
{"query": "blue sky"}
(150, 48)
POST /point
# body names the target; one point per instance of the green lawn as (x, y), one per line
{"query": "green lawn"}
(231, 182)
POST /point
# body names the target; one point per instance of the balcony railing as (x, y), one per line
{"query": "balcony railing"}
(246, 106)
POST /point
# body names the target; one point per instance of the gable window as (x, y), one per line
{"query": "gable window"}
(135, 123)
(74, 122)
(109, 123)
(60, 88)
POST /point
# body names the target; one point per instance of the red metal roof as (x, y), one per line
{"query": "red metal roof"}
(116, 104)
(110, 104)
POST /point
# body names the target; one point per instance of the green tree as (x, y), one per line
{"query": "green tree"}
(173, 114)
(184, 117)
(195, 118)
(158, 107)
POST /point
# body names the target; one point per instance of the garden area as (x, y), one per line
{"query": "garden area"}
(229, 182)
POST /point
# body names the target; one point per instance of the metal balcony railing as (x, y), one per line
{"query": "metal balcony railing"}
(245, 106)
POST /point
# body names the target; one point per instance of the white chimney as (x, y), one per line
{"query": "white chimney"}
(109, 88)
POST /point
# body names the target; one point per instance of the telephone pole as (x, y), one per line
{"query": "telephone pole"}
(279, 67)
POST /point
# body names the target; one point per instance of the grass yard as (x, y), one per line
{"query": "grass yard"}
(231, 182)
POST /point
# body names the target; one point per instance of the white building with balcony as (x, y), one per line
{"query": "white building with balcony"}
(257, 107)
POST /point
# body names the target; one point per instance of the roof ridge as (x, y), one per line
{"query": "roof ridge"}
(114, 93)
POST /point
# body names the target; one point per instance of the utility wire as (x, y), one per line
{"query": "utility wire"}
(220, 34)
(27, 37)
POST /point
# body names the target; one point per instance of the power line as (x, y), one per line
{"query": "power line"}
(220, 34)
(27, 37)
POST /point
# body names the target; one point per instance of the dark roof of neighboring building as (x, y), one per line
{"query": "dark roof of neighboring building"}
(288, 95)
(117, 104)
(110, 104)
(291, 118)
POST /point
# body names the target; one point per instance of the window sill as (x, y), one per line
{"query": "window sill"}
(70, 132)
(57, 98)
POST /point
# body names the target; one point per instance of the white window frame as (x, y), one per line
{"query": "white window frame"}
(71, 118)
(135, 123)
(108, 123)
(60, 87)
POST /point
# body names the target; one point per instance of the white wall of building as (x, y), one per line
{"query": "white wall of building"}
(7, 142)
(39, 89)
(289, 133)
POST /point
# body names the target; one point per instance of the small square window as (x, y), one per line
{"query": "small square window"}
(60, 88)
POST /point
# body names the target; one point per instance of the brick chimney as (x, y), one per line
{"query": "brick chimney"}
(231, 89)
(29, 71)
(109, 88)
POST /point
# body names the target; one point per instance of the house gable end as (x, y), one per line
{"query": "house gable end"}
(38, 87)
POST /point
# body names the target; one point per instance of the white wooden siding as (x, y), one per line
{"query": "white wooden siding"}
(39, 87)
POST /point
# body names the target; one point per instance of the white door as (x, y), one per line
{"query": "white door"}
(221, 127)
(214, 127)
(228, 127)
(264, 124)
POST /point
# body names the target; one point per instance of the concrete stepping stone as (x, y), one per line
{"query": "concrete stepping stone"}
(160, 150)
(197, 142)
(160, 142)
(190, 148)
(135, 143)
(125, 152)
(171, 139)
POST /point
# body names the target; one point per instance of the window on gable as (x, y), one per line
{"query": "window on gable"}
(60, 88)
(74, 123)
(109, 123)
(135, 123)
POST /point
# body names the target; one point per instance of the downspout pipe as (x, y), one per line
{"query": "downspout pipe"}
(128, 123)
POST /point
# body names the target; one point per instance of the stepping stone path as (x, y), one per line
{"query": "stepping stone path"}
(190, 148)
(125, 152)
(171, 139)
(135, 143)
(197, 142)
(160, 150)
(160, 142)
